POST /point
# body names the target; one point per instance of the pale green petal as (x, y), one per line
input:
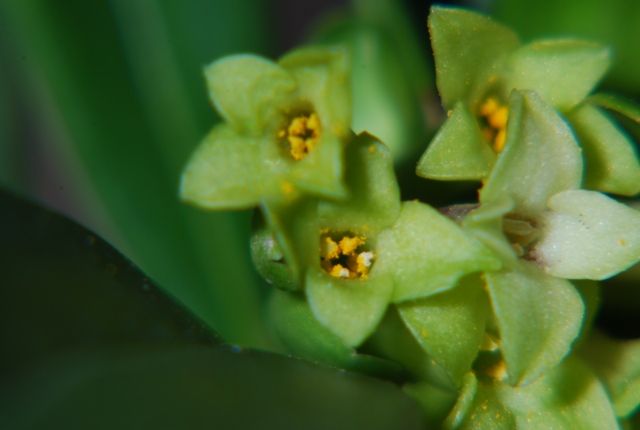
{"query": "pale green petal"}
(468, 48)
(540, 159)
(569, 397)
(617, 363)
(478, 407)
(248, 90)
(321, 172)
(611, 160)
(562, 72)
(229, 171)
(374, 201)
(485, 224)
(350, 308)
(428, 253)
(619, 104)
(458, 151)
(587, 235)
(450, 325)
(323, 75)
(538, 317)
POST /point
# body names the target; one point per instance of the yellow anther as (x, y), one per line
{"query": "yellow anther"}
(340, 272)
(302, 134)
(349, 244)
(489, 107)
(341, 258)
(329, 249)
(498, 371)
(498, 119)
(498, 142)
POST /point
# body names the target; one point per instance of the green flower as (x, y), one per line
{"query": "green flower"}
(545, 230)
(284, 131)
(479, 62)
(374, 250)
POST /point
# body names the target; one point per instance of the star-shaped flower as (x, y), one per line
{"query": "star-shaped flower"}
(545, 230)
(479, 62)
(284, 131)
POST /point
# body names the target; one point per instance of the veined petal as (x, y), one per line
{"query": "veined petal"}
(350, 308)
(229, 171)
(538, 317)
(248, 91)
(611, 161)
(468, 47)
(374, 201)
(540, 159)
(587, 235)
(562, 72)
(458, 151)
(428, 253)
(450, 325)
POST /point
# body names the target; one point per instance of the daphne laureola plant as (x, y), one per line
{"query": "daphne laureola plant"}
(484, 310)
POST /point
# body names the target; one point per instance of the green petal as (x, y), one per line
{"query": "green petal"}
(295, 227)
(485, 224)
(350, 308)
(468, 48)
(611, 159)
(562, 72)
(374, 202)
(541, 157)
(538, 317)
(428, 253)
(458, 151)
(299, 330)
(479, 408)
(434, 402)
(613, 102)
(570, 396)
(321, 172)
(588, 235)
(322, 74)
(617, 363)
(229, 171)
(248, 90)
(450, 325)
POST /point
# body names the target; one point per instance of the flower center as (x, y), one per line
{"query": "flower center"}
(520, 232)
(347, 257)
(302, 134)
(495, 118)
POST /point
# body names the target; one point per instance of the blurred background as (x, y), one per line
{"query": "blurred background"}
(102, 102)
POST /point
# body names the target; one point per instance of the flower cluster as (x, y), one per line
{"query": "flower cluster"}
(492, 297)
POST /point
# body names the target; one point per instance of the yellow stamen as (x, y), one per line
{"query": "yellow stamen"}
(342, 259)
(302, 134)
(496, 116)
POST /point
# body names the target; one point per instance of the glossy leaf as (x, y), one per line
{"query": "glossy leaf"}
(538, 316)
(450, 325)
(588, 235)
(468, 48)
(541, 157)
(458, 151)
(350, 308)
(428, 253)
(611, 159)
(562, 72)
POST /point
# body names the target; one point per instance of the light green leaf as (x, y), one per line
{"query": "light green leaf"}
(458, 151)
(562, 72)
(248, 91)
(229, 171)
(569, 397)
(428, 253)
(611, 159)
(374, 202)
(619, 104)
(478, 408)
(303, 335)
(588, 235)
(468, 47)
(541, 157)
(485, 224)
(538, 317)
(617, 363)
(350, 308)
(450, 325)
(323, 74)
